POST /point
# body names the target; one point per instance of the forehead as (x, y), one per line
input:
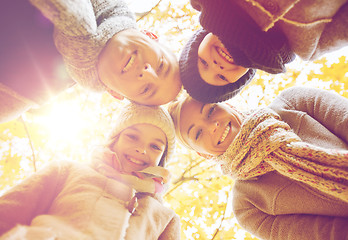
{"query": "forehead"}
(191, 111)
(148, 130)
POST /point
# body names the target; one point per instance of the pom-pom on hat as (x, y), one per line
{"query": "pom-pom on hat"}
(195, 85)
(134, 113)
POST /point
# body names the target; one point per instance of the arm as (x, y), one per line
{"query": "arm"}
(172, 230)
(196, 4)
(289, 226)
(30, 198)
(329, 109)
(82, 17)
(335, 34)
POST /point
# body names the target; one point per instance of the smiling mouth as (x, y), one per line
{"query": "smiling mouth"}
(130, 62)
(225, 133)
(224, 55)
(135, 161)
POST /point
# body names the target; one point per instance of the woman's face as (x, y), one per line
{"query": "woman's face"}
(139, 68)
(140, 146)
(209, 128)
(215, 64)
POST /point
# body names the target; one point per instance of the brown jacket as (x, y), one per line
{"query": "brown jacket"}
(69, 200)
(275, 207)
(311, 27)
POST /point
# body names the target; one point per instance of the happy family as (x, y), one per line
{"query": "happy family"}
(289, 159)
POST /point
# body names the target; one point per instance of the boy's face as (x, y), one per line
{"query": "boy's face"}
(209, 128)
(139, 68)
(215, 64)
(140, 146)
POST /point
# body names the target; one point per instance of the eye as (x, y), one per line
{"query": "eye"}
(222, 77)
(203, 62)
(198, 134)
(132, 136)
(130, 62)
(211, 110)
(156, 147)
(160, 66)
(145, 89)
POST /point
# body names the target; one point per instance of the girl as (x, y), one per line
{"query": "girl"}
(117, 197)
(292, 173)
(240, 36)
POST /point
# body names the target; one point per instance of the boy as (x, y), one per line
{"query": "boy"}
(255, 34)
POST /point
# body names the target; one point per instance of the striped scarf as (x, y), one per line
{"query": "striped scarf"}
(266, 143)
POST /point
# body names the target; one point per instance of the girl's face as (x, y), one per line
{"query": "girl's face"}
(140, 146)
(139, 68)
(209, 128)
(215, 64)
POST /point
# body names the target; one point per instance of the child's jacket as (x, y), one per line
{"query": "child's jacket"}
(69, 200)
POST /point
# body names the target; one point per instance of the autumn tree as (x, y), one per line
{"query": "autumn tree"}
(77, 120)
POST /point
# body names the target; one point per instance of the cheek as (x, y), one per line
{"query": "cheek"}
(201, 146)
(156, 158)
(123, 144)
(203, 50)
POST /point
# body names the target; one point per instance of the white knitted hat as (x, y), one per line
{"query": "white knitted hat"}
(134, 113)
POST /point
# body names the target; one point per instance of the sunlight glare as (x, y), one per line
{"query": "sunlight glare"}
(65, 122)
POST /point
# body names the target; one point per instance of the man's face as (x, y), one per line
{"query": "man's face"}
(209, 128)
(215, 64)
(139, 68)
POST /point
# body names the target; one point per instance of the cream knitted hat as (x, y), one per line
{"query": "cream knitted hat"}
(134, 113)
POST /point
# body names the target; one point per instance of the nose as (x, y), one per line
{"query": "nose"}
(218, 65)
(141, 150)
(140, 147)
(213, 125)
(148, 73)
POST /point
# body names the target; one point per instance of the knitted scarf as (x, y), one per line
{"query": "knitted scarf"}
(266, 143)
(149, 180)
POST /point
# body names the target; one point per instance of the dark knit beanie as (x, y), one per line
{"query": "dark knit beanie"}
(268, 51)
(195, 86)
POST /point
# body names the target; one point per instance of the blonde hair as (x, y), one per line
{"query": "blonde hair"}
(174, 109)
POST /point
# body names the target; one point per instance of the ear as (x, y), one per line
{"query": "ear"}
(150, 35)
(205, 155)
(115, 94)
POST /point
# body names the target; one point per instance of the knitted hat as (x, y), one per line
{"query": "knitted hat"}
(195, 85)
(241, 35)
(83, 32)
(156, 115)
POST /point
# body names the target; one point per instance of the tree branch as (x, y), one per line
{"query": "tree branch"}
(223, 217)
(146, 13)
(30, 142)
